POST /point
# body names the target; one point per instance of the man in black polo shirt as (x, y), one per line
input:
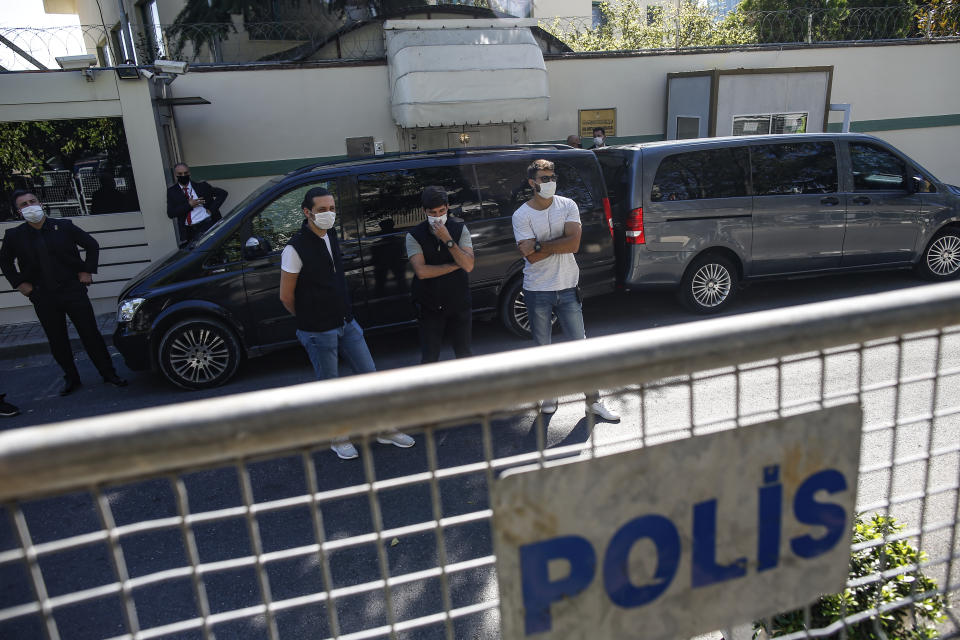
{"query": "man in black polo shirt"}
(51, 274)
(313, 288)
(441, 289)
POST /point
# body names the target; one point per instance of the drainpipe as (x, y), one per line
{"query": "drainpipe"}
(845, 107)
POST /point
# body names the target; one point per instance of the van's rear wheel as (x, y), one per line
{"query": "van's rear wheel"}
(199, 354)
(513, 310)
(941, 260)
(709, 284)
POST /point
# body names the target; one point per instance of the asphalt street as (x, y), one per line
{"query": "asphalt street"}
(896, 461)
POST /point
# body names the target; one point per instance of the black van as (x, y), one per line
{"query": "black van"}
(197, 312)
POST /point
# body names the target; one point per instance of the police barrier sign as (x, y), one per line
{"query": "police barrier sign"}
(682, 538)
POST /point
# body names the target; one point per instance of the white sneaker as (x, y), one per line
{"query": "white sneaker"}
(344, 450)
(396, 438)
(548, 406)
(601, 411)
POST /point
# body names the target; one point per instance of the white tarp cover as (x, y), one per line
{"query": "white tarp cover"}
(455, 76)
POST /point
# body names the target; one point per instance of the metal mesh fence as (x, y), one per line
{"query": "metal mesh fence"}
(232, 518)
(312, 38)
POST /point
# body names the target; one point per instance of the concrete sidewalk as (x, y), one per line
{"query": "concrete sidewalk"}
(27, 338)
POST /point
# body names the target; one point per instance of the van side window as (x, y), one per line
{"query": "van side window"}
(615, 175)
(390, 200)
(875, 168)
(794, 168)
(227, 252)
(695, 175)
(278, 221)
(504, 187)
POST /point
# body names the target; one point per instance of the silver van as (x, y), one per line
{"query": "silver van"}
(704, 215)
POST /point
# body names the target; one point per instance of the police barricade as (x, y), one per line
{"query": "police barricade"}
(749, 447)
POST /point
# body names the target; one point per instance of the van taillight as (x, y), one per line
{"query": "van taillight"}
(608, 215)
(635, 227)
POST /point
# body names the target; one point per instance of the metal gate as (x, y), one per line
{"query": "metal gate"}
(229, 517)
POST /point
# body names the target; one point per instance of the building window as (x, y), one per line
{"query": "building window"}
(598, 19)
(688, 127)
(762, 124)
(152, 33)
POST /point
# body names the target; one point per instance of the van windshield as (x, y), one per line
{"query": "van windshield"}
(240, 206)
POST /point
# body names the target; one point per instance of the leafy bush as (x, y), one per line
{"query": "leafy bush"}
(912, 621)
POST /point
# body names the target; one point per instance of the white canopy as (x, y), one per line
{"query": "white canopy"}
(453, 72)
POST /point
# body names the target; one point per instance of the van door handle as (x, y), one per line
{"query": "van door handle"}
(861, 200)
(831, 201)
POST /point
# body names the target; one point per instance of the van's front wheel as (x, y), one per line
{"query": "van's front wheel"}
(709, 284)
(199, 354)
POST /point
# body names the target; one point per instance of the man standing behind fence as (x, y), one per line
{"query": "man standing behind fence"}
(547, 230)
(314, 289)
(50, 272)
(441, 289)
(194, 205)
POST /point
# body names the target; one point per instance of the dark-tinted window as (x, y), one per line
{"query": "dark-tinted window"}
(802, 167)
(616, 176)
(390, 201)
(504, 187)
(279, 220)
(713, 173)
(875, 168)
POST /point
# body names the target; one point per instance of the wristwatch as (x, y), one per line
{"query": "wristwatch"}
(537, 246)
(449, 244)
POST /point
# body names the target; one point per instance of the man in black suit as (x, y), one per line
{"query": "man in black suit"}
(50, 272)
(194, 205)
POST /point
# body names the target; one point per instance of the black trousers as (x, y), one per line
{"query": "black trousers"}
(52, 309)
(194, 231)
(434, 325)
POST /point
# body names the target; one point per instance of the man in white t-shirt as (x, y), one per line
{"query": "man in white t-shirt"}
(313, 288)
(547, 230)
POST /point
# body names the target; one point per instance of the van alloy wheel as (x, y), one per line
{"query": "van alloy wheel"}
(711, 285)
(513, 310)
(943, 256)
(199, 354)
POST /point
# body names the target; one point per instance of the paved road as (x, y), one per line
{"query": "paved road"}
(707, 403)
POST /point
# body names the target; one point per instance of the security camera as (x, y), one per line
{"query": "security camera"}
(72, 63)
(146, 73)
(171, 66)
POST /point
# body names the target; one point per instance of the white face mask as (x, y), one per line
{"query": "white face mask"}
(437, 220)
(324, 219)
(547, 189)
(33, 213)
(598, 141)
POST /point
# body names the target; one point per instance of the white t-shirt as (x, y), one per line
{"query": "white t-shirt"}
(290, 260)
(557, 271)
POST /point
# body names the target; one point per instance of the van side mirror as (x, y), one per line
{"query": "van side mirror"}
(255, 247)
(913, 183)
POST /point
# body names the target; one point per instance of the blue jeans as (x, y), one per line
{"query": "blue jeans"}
(542, 304)
(323, 347)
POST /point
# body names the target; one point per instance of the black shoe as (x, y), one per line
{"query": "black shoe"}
(7, 410)
(116, 381)
(69, 386)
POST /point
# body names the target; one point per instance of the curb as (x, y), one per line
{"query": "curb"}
(42, 347)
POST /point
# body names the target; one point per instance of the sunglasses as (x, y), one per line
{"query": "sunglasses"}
(545, 179)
